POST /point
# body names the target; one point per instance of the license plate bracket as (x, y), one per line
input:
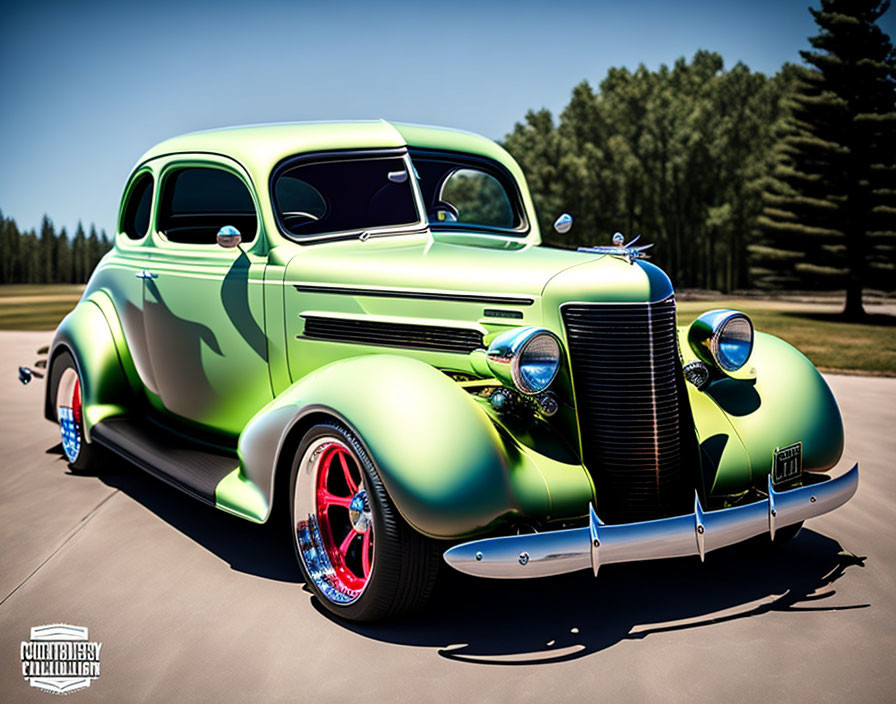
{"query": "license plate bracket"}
(788, 463)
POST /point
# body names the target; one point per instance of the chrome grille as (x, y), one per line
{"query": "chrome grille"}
(637, 432)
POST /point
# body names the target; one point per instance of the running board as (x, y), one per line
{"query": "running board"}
(190, 467)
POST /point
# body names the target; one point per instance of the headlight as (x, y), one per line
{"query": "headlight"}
(723, 338)
(526, 358)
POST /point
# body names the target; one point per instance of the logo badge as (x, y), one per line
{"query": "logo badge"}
(60, 659)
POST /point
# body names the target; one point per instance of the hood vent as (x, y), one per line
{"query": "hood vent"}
(402, 335)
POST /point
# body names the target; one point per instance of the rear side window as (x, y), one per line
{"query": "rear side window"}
(345, 195)
(135, 223)
(199, 201)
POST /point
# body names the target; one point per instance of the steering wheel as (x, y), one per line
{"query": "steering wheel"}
(443, 211)
(299, 215)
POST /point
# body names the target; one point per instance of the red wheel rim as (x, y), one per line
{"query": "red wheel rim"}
(70, 413)
(343, 515)
(76, 402)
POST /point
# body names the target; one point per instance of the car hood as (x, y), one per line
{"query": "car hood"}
(424, 263)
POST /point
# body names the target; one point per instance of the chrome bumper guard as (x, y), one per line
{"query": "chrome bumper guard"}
(561, 551)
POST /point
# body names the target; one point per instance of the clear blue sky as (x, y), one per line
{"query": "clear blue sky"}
(88, 86)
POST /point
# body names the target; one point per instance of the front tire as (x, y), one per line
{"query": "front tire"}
(66, 380)
(358, 556)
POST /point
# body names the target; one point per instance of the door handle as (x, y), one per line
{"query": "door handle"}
(146, 274)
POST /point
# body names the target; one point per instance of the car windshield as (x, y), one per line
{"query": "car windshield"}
(345, 195)
(468, 193)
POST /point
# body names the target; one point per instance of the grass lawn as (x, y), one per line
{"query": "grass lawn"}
(867, 348)
(813, 328)
(36, 306)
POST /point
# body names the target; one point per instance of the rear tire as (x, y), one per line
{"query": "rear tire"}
(359, 557)
(66, 391)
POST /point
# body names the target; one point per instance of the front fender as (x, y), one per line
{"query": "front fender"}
(440, 457)
(786, 401)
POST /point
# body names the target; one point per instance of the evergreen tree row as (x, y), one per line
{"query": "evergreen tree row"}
(677, 155)
(740, 179)
(48, 257)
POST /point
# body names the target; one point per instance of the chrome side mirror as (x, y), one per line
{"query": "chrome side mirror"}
(563, 224)
(229, 237)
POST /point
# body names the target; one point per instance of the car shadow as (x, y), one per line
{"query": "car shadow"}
(260, 550)
(537, 621)
(563, 618)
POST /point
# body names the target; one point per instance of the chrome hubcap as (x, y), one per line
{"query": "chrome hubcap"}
(359, 512)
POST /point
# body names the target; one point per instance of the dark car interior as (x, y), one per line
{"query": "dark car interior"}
(198, 201)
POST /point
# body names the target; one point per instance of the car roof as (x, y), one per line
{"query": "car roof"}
(260, 147)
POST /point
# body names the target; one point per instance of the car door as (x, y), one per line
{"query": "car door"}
(203, 302)
(122, 276)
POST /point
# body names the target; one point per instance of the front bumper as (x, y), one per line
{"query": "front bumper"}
(561, 551)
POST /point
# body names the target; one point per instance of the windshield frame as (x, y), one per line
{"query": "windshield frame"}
(291, 162)
(488, 166)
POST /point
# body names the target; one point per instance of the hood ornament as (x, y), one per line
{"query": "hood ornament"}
(627, 251)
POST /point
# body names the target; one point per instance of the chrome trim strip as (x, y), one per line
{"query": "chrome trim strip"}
(415, 295)
(558, 552)
(454, 325)
(664, 299)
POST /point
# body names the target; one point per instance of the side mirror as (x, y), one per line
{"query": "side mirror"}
(229, 237)
(563, 224)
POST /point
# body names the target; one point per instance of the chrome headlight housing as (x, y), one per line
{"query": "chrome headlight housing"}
(526, 358)
(723, 338)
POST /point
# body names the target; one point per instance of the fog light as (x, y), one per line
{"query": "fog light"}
(547, 404)
(698, 374)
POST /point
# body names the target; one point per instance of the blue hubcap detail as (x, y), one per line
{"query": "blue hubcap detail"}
(71, 433)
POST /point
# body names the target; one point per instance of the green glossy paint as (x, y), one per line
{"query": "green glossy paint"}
(216, 343)
(241, 497)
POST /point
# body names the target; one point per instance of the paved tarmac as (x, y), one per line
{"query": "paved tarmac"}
(193, 605)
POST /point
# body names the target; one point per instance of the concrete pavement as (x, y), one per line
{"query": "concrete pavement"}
(195, 605)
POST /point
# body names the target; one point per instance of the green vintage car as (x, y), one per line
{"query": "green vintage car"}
(351, 328)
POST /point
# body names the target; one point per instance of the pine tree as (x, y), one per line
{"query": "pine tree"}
(79, 256)
(63, 258)
(94, 251)
(9, 237)
(830, 208)
(47, 253)
(33, 269)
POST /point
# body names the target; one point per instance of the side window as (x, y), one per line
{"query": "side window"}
(299, 201)
(198, 201)
(345, 195)
(479, 198)
(469, 192)
(135, 222)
